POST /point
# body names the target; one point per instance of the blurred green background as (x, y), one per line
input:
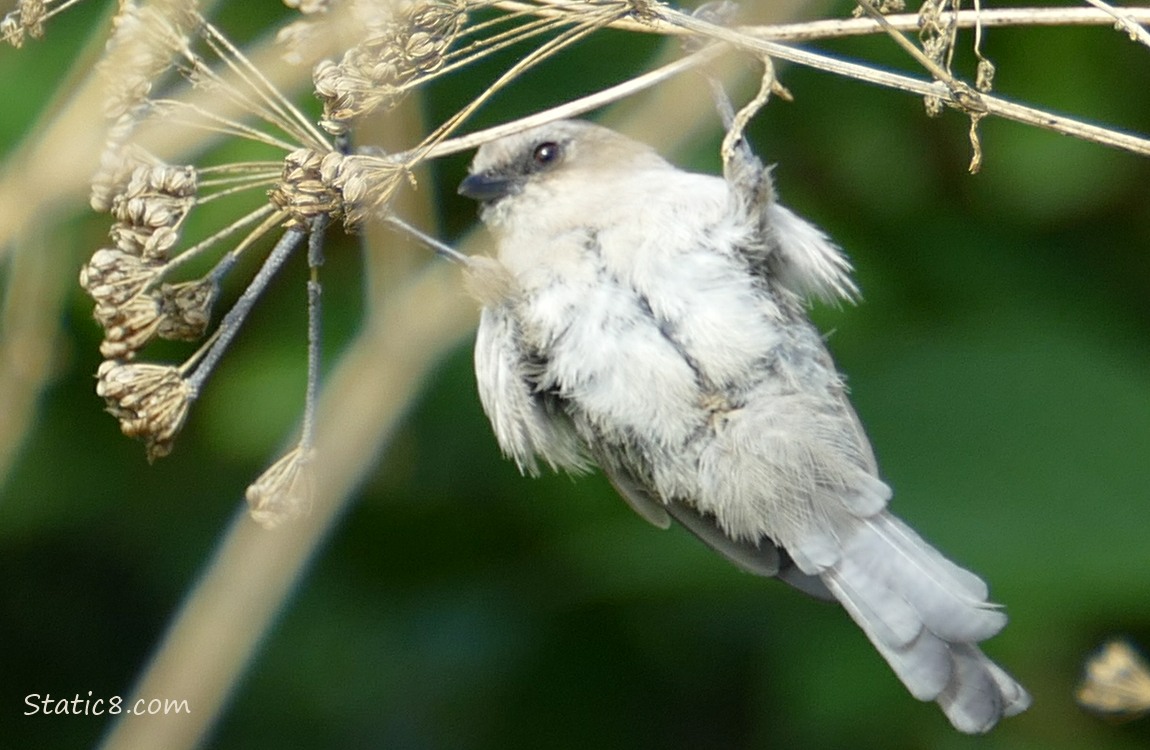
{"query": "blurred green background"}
(1000, 361)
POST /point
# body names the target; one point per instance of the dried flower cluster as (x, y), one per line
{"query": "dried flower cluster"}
(136, 299)
(309, 187)
(285, 491)
(26, 20)
(131, 305)
(938, 34)
(395, 57)
(1117, 682)
(151, 402)
(310, 181)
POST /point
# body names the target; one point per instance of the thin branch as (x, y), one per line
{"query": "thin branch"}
(1125, 21)
(285, 115)
(441, 249)
(572, 108)
(836, 28)
(958, 98)
(314, 329)
(206, 360)
(581, 30)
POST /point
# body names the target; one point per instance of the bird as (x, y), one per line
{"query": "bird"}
(653, 322)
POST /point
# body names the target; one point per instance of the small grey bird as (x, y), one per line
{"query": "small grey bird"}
(653, 321)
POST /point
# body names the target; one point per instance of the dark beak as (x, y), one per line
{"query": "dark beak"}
(487, 187)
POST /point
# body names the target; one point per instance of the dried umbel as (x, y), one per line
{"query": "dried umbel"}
(131, 326)
(112, 277)
(308, 187)
(285, 491)
(150, 208)
(1117, 682)
(178, 312)
(367, 184)
(26, 20)
(186, 309)
(150, 401)
(149, 202)
(379, 71)
(139, 52)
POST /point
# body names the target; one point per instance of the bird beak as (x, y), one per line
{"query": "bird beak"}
(487, 187)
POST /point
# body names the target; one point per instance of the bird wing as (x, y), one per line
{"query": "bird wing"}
(761, 559)
(523, 424)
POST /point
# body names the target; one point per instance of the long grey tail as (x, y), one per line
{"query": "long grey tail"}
(926, 616)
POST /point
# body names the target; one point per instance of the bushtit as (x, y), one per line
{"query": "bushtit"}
(653, 321)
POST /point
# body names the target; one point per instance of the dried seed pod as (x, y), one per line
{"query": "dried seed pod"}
(285, 491)
(1117, 682)
(128, 327)
(150, 401)
(187, 309)
(113, 276)
(307, 188)
(394, 58)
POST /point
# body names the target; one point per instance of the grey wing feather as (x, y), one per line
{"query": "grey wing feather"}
(640, 501)
(763, 559)
(523, 425)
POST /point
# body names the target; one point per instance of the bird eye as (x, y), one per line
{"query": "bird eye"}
(546, 153)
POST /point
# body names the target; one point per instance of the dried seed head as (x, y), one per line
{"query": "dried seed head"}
(117, 163)
(179, 312)
(394, 58)
(164, 179)
(150, 244)
(308, 188)
(367, 184)
(140, 50)
(285, 491)
(151, 402)
(1117, 682)
(27, 19)
(112, 276)
(187, 309)
(128, 327)
(150, 208)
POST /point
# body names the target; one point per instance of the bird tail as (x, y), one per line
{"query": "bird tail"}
(926, 616)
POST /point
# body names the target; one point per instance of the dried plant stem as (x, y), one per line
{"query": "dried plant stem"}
(963, 19)
(314, 328)
(206, 359)
(441, 249)
(277, 108)
(937, 71)
(1126, 21)
(955, 97)
(34, 289)
(263, 212)
(574, 107)
(810, 31)
(536, 56)
(486, 46)
(666, 20)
